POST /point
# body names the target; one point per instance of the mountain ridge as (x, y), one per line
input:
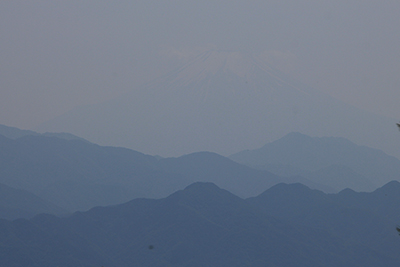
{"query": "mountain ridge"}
(223, 110)
(215, 229)
(15, 133)
(314, 157)
(16, 203)
(77, 175)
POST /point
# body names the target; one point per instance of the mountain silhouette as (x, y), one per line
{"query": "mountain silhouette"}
(336, 162)
(15, 133)
(17, 203)
(203, 225)
(77, 175)
(364, 217)
(223, 102)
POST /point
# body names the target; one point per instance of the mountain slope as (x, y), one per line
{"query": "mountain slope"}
(222, 102)
(320, 158)
(201, 225)
(236, 178)
(15, 133)
(16, 203)
(77, 175)
(361, 217)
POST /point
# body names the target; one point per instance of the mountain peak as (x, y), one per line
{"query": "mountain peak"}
(221, 101)
(214, 61)
(201, 194)
(200, 186)
(295, 189)
(231, 75)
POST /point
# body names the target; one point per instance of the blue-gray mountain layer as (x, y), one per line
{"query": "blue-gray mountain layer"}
(77, 175)
(203, 225)
(335, 162)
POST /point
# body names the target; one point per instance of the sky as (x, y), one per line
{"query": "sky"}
(58, 55)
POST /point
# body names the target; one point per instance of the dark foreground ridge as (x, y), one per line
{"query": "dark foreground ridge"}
(203, 225)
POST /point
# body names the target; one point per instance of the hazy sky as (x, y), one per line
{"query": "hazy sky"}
(56, 55)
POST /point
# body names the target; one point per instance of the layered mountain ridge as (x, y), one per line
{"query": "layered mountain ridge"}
(222, 102)
(77, 175)
(203, 225)
(333, 161)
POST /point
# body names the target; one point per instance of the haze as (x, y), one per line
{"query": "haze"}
(199, 133)
(58, 56)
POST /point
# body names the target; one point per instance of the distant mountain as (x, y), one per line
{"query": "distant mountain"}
(15, 133)
(336, 162)
(340, 177)
(204, 225)
(236, 178)
(16, 203)
(78, 175)
(223, 102)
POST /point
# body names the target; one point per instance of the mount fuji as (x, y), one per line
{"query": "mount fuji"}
(223, 102)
